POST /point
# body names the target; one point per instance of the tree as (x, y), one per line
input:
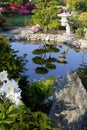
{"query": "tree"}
(46, 14)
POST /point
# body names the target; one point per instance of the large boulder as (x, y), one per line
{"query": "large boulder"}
(69, 109)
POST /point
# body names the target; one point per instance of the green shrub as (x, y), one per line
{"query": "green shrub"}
(3, 22)
(79, 32)
(73, 4)
(39, 91)
(82, 72)
(82, 6)
(82, 19)
(33, 121)
(46, 15)
(9, 60)
(15, 65)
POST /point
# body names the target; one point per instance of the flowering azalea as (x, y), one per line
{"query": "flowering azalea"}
(23, 11)
(13, 6)
(3, 76)
(2, 9)
(10, 89)
(14, 84)
(16, 98)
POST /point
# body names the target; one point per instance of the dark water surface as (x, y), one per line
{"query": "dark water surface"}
(45, 61)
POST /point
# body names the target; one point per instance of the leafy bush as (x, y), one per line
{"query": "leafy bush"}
(82, 73)
(15, 65)
(3, 22)
(83, 19)
(82, 6)
(33, 121)
(39, 91)
(46, 14)
(13, 113)
(9, 60)
(73, 4)
(79, 32)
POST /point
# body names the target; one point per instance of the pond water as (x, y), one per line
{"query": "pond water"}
(45, 61)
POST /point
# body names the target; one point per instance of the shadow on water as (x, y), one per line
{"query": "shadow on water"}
(46, 60)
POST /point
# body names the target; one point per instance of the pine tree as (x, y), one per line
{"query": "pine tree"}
(46, 14)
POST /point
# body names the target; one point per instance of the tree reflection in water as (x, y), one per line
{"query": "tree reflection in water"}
(45, 60)
(50, 60)
(82, 70)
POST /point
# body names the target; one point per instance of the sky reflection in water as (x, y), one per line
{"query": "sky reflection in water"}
(73, 59)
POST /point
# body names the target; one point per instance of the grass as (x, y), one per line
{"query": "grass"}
(19, 20)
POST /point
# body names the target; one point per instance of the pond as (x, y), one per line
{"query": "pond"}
(49, 60)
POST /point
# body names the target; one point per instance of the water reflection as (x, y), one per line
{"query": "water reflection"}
(44, 59)
(62, 56)
(84, 62)
(48, 60)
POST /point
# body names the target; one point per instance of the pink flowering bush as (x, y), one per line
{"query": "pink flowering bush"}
(23, 11)
(2, 9)
(14, 9)
(14, 6)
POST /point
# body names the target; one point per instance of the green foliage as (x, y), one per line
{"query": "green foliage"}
(73, 21)
(3, 22)
(81, 23)
(82, 19)
(54, 24)
(79, 5)
(11, 1)
(82, 72)
(78, 23)
(73, 4)
(15, 65)
(79, 32)
(10, 61)
(46, 15)
(8, 113)
(62, 2)
(33, 121)
(39, 91)
(82, 5)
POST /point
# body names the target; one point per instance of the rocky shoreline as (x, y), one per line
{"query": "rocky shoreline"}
(23, 33)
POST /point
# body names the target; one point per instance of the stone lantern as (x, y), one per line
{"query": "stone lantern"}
(64, 21)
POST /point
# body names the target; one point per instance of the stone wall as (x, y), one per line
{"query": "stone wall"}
(26, 34)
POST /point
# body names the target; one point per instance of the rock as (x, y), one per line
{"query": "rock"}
(48, 100)
(24, 33)
(69, 110)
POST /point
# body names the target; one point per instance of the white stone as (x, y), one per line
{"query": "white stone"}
(70, 103)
